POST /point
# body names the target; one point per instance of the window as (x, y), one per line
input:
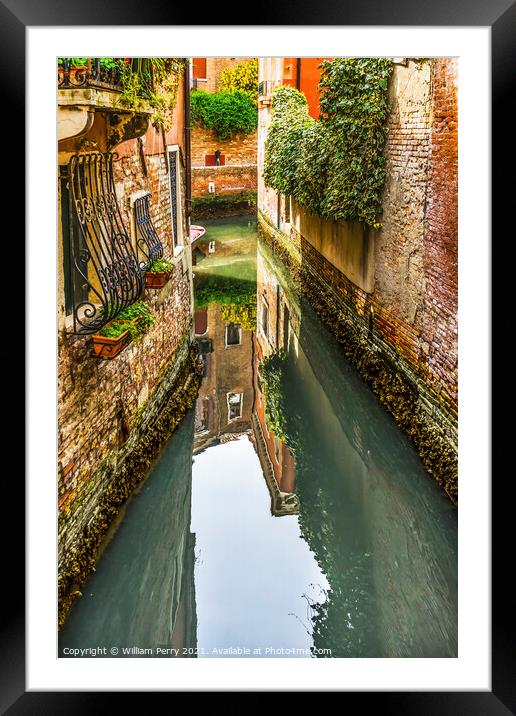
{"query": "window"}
(276, 449)
(259, 383)
(75, 291)
(235, 401)
(147, 239)
(175, 196)
(105, 275)
(233, 334)
(202, 415)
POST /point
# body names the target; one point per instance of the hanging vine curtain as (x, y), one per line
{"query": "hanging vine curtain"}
(148, 240)
(107, 263)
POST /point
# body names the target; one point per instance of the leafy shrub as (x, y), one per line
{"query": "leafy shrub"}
(290, 120)
(272, 372)
(243, 314)
(160, 265)
(333, 166)
(227, 113)
(243, 78)
(126, 321)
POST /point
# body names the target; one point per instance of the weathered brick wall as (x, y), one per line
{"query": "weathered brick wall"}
(404, 392)
(129, 179)
(98, 399)
(227, 371)
(227, 180)
(241, 149)
(438, 323)
(413, 306)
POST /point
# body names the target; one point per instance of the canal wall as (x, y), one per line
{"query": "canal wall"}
(109, 416)
(229, 189)
(392, 293)
(404, 393)
(93, 503)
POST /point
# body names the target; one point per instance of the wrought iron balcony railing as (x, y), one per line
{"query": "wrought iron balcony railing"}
(147, 239)
(102, 72)
(104, 265)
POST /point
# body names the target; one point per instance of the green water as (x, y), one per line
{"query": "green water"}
(329, 542)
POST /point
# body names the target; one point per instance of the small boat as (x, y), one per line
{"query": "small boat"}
(196, 232)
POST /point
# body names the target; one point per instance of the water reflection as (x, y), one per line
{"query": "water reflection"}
(142, 595)
(317, 531)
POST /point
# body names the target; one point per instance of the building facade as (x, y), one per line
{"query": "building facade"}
(122, 203)
(230, 186)
(389, 295)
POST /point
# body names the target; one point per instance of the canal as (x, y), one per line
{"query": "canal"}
(287, 516)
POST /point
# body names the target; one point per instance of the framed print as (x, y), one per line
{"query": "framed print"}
(270, 293)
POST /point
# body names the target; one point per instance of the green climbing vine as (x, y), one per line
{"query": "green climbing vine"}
(153, 81)
(333, 166)
(272, 376)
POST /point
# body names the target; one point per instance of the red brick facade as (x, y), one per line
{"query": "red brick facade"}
(439, 329)
(241, 149)
(409, 310)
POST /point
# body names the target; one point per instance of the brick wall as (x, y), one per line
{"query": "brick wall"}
(101, 401)
(98, 399)
(413, 305)
(410, 313)
(241, 149)
(227, 180)
(227, 370)
(438, 325)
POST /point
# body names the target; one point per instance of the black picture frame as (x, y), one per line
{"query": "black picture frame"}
(500, 15)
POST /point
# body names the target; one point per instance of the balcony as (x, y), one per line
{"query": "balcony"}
(87, 85)
(103, 273)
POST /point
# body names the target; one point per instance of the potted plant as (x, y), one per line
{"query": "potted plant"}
(130, 323)
(76, 66)
(158, 273)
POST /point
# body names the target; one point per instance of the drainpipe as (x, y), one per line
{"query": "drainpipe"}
(187, 139)
(298, 74)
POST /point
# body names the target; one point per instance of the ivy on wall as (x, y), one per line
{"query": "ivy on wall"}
(272, 372)
(226, 113)
(155, 81)
(333, 166)
(242, 78)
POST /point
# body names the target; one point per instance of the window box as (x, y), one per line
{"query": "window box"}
(105, 347)
(157, 279)
(119, 332)
(158, 273)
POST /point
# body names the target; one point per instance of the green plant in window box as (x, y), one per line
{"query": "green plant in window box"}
(132, 322)
(158, 273)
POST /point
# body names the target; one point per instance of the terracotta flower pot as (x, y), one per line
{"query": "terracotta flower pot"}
(105, 347)
(157, 279)
(79, 70)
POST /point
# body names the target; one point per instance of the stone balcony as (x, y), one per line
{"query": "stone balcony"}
(89, 95)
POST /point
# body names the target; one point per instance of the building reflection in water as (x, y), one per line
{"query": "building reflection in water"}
(142, 593)
(231, 401)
